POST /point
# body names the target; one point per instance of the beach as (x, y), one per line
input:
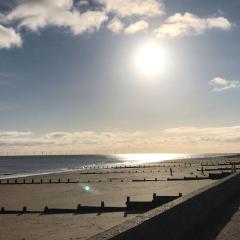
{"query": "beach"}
(89, 187)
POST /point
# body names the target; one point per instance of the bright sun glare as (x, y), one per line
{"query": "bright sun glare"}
(150, 59)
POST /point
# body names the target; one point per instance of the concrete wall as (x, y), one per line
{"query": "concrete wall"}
(177, 218)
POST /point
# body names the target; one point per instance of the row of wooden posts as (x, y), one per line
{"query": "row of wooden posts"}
(32, 181)
(211, 176)
(130, 205)
(141, 166)
(16, 181)
(99, 181)
(151, 171)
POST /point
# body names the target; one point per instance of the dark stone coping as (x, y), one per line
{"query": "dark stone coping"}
(176, 218)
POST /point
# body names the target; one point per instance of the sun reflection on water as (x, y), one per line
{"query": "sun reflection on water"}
(141, 158)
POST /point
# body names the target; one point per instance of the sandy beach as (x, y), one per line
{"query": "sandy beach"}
(111, 185)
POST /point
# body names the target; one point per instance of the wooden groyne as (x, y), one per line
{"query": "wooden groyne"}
(131, 206)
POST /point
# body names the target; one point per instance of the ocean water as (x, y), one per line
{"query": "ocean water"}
(14, 166)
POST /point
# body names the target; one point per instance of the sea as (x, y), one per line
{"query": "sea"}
(19, 166)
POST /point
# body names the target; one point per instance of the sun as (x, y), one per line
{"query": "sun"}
(150, 59)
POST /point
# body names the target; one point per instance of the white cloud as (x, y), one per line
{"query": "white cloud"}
(86, 141)
(14, 134)
(219, 22)
(198, 135)
(126, 8)
(9, 38)
(115, 25)
(136, 27)
(62, 13)
(187, 24)
(221, 84)
(179, 139)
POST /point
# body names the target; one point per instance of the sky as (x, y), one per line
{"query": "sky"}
(69, 80)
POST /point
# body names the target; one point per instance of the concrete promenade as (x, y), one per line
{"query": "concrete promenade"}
(190, 217)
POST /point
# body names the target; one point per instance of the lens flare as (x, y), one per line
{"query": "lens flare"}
(87, 188)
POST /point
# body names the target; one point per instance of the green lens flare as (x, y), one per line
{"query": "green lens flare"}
(87, 188)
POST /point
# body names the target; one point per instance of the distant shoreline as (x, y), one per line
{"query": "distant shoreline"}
(62, 170)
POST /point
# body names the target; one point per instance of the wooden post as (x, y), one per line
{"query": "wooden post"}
(46, 209)
(154, 196)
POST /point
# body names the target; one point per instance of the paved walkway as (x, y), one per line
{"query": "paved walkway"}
(231, 230)
(224, 225)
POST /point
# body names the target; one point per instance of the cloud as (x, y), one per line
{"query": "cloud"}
(198, 135)
(126, 8)
(9, 38)
(136, 27)
(187, 24)
(62, 13)
(220, 84)
(84, 16)
(219, 22)
(86, 141)
(115, 25)
(180, 139)
(14, 134)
